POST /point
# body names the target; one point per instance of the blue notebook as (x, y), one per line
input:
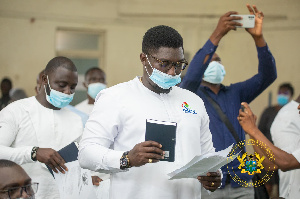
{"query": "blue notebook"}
(163, 133)
(69, 153)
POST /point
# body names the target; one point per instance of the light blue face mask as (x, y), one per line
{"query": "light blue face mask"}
(214, 73)
(282, 99)
(58, 99)
(95, 88)
(161, 79)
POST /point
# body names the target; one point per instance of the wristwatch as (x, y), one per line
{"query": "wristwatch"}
(124, 161)
(33, 153)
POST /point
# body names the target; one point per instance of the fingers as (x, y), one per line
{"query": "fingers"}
(230, 13)
(151, 143)
(250, 9)
(58, 162)
(247, 108)
(154, 150)
(96, 180)
(214, 174)
(255, 9)
(210, 182)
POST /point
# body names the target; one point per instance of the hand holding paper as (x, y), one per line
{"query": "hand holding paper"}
(200, 165)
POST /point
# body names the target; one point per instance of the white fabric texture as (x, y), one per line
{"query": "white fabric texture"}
(118, 123)
(103, 189)
(285, 132)
(25, 124)
(85, 107)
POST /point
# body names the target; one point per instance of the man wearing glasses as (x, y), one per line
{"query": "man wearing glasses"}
(14, 181)
(114, 138)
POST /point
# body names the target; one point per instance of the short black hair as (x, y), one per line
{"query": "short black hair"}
(92, 69)
(6, 80)
(7, 163)
(60, 61)
(288, 86)
(161, 36)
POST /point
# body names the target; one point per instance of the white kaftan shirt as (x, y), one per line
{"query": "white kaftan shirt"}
(118, 123)
(26, 123)
(285, 132)
(85, 107)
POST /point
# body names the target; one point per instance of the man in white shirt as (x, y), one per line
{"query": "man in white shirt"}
(285, 132)
(114, 136)
(33, 129)
(94, 82)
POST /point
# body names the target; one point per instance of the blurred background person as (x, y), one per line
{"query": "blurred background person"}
(285, 132)
(6, 86)
(284, 96)
(17, 94)
(39, 82)
(94, 82)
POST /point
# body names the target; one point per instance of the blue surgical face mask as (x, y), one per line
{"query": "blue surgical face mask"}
(282, 99)
(58, 99)
(95, 88)
(214, 73)
(161, 79)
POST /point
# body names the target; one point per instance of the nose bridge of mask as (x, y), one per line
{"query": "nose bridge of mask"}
(215, 68)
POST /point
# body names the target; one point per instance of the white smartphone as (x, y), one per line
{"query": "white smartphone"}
(248, 21)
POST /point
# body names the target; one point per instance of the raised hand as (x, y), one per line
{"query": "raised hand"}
(259, 17)
(247, 119)
(225, 24)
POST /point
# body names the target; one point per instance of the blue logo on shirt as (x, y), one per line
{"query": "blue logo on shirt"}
(186, 108)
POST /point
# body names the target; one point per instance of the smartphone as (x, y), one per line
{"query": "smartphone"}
(248, 21)
(243, 108)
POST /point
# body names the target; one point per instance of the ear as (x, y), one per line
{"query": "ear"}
(44, 79)
(143, 58)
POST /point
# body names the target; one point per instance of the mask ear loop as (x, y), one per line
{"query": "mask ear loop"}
(49, 83)
(149, 64)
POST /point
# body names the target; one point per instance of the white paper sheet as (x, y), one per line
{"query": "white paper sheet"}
(76, 183)
(202, 164)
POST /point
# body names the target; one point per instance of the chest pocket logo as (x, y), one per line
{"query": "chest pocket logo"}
(187, 109)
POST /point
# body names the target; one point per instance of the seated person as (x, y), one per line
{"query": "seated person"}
(15, 182)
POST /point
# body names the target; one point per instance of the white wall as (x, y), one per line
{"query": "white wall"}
(27, 35)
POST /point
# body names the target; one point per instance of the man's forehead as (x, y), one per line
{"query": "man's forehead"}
(63, 74)
(169, 53)
(13, 176)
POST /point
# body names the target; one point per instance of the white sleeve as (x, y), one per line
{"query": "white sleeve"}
(9, 127)
(284, 132)
(296, 153)
(206, 137)
(99, 134)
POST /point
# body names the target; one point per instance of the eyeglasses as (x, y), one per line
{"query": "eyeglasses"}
(166, 64)
(17, 192)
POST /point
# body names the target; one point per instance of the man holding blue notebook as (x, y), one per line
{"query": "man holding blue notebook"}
(114, 137)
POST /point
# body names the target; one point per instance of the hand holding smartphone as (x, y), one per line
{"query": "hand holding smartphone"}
(243, 108)
(248, 21)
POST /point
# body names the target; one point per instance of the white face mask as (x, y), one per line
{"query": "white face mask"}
(95, 88)
(214, 73)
